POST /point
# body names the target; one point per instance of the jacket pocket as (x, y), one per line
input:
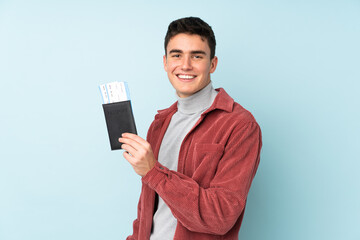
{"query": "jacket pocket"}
(205, 160)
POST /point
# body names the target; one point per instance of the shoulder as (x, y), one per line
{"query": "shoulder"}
(230, 112)
(160, 119)
(241, 114)
(163, 113)
(237, 122)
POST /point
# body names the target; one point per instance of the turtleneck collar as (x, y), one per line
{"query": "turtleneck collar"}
(198, 102)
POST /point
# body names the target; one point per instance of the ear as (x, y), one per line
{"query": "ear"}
(165, 65)
(213, 64)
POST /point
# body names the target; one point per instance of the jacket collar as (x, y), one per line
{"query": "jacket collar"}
(222, 102)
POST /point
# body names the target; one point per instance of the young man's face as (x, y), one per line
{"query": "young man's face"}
(188, 63)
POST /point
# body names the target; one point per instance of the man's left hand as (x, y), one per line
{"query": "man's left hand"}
(138, 153)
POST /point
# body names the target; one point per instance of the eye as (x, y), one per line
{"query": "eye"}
(197, 56)
(175, 55)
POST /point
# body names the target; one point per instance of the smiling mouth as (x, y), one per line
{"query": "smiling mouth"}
(185, 76)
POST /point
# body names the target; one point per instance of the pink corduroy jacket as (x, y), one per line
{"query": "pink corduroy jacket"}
(217, 162)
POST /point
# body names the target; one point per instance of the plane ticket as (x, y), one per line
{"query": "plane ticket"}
(114, 92)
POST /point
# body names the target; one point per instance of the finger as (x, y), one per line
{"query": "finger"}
(136, 138)
(129, 149)
(129, 158)
(131, 142)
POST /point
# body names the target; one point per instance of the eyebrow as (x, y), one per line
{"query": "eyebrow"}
(192, 52)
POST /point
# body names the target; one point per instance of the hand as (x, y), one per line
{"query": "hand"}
(138, 153)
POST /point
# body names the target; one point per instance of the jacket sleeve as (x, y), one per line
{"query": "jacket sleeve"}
(215, 209)
(136, 222)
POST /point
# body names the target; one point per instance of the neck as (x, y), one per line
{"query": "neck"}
(198, 102)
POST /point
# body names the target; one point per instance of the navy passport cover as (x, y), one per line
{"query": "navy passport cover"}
(119, 119)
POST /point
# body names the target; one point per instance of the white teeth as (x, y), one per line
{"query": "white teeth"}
(186, 76)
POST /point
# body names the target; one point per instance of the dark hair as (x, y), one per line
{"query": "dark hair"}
(191, 25)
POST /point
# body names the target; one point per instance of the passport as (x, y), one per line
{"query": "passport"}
(118, 112)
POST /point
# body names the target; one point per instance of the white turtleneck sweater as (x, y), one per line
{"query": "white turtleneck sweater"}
(189, 111)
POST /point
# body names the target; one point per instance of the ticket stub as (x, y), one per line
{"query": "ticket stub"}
(114, 92)
(104, 93)
(124, 91)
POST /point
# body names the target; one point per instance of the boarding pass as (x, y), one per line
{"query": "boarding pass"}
(114, 92)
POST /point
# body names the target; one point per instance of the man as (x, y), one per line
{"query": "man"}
(201, 153)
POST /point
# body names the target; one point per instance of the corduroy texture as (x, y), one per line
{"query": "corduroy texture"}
(218, 160)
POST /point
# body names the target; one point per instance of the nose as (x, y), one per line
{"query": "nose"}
(186, 63)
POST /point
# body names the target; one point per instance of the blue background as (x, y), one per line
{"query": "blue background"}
(293, 64)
